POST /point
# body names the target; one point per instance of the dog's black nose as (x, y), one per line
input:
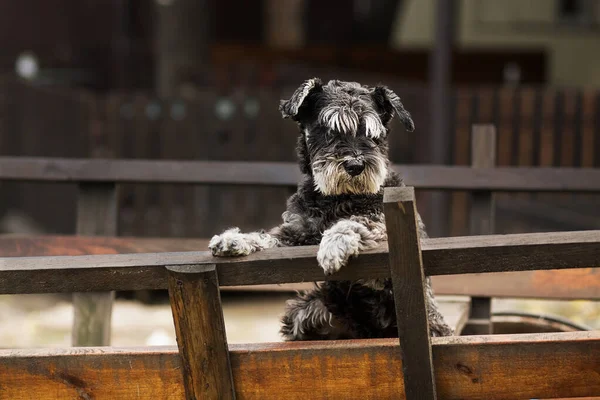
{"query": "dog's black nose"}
(354, 167)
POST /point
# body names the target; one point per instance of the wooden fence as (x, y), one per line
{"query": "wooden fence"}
(475, 367)
(97, 181)
(536, 127)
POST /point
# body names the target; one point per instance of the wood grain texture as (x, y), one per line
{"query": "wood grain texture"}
(499, 367)
(408, 280)
(49, 245)
(200, 330)
(581, 284)
(441, 256)
(92, 318)
(96, 215)
(508, 179)
(569, 284)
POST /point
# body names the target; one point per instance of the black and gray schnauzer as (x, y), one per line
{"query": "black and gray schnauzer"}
(343, 155)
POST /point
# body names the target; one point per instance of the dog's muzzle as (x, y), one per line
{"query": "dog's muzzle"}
(354, 167)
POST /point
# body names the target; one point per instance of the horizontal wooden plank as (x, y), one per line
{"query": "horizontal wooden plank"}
(288, 174)
(50, 245)
(581, 283)
(566, 284)
(147, 171)
(468, 368)
(441, 256)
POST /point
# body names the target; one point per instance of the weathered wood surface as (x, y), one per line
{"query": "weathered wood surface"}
(36, 246)
(483, 155)
(92, 318)
(499, 367)
(148, 171)
(92, 312)
(460, 255)
(482, 219)
(287, 174)
(556, 284)
(408, 280)
(568, 284)
(200, 330)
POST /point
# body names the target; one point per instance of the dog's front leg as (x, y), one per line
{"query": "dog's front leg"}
(347, 238)
(232, 243)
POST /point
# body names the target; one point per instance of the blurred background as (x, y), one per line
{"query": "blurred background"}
(202, 79)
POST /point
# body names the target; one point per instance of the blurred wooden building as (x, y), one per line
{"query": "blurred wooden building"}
(123, 43)
(201, 79)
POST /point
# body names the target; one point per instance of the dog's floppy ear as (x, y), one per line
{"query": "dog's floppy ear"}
(289, 108)
(390, 104)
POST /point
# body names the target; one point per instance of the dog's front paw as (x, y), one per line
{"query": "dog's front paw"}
(336, 249)
(230, 243)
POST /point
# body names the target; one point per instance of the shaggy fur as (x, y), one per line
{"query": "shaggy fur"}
(343, 155)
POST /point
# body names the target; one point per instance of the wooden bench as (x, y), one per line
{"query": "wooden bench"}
(521, 366)
(98, 180)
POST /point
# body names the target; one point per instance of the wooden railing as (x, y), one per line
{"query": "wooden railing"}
(538, 127)
(475, 367)
(441, 256)
(426, 177)
(98, 181)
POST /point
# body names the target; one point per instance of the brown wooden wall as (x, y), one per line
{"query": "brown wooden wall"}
(536, 126)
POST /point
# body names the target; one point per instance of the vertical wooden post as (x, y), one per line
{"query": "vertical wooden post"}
(482, 219)
(483, 155)
(182, 46)
(408, 279)
(200, 330)
(96, 216)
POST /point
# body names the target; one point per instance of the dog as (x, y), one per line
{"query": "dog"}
(343, 156)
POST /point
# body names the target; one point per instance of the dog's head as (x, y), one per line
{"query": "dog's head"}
(344, 128)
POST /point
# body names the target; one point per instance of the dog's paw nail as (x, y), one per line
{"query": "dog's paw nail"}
(330, 266)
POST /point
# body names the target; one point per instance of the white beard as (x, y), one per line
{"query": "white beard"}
(331, 178)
